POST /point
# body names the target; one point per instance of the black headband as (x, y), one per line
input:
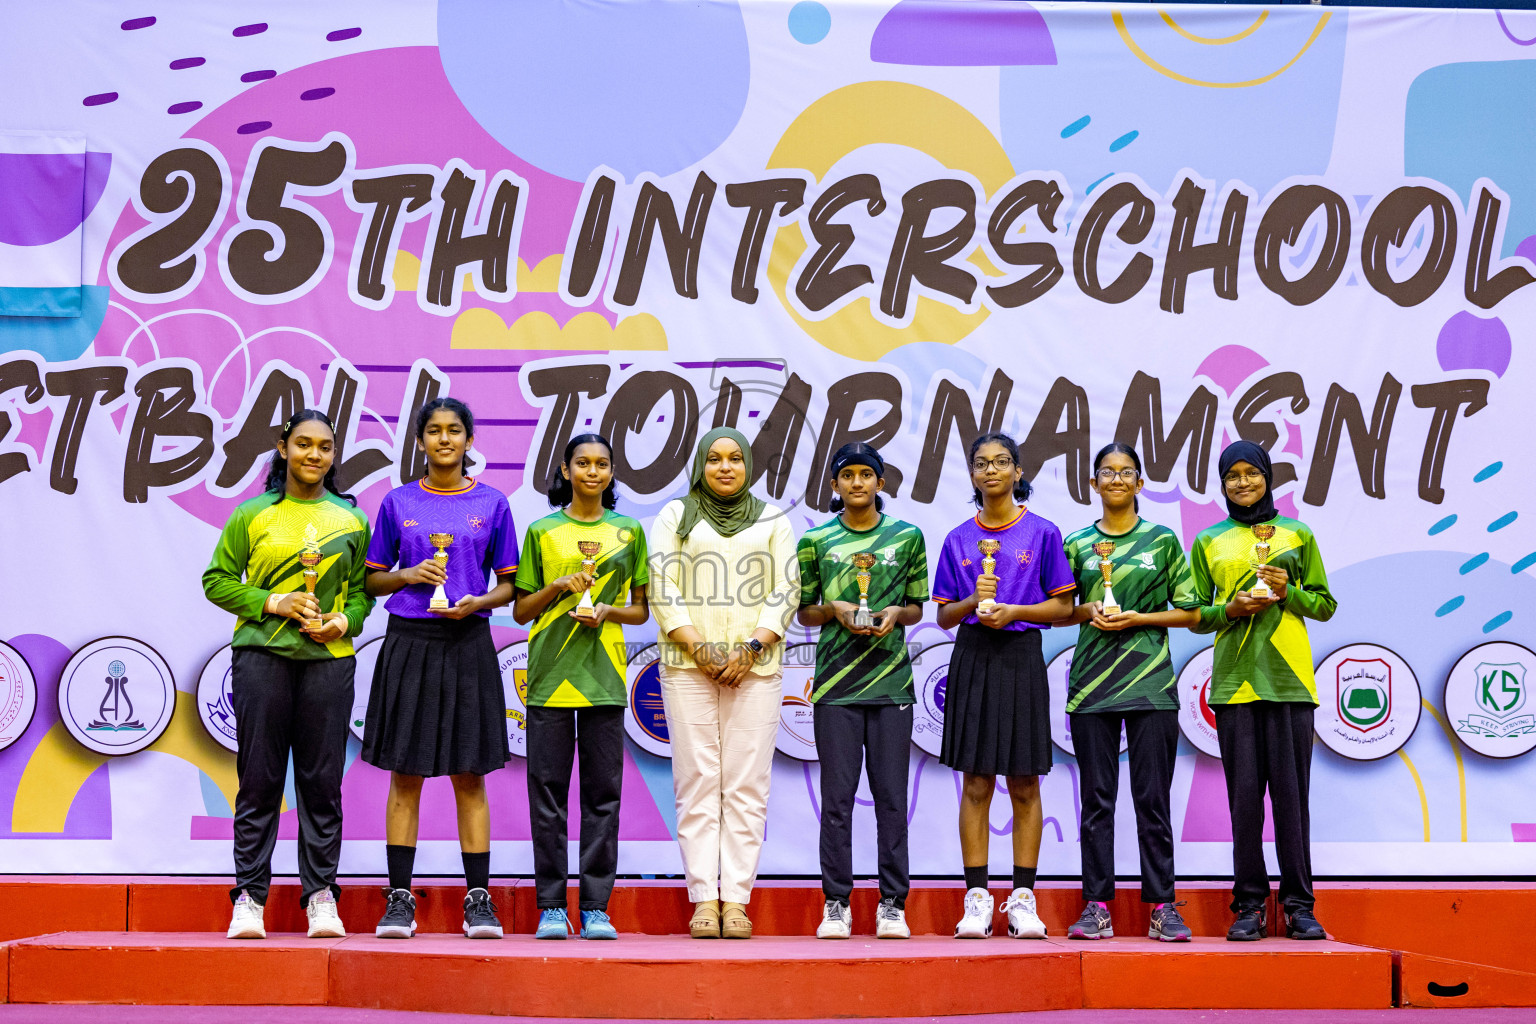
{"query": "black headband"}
(862, 455)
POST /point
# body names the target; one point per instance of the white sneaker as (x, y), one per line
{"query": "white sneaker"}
(977, 922)
(836, 921)
(246, 922)
(891, 921)
(1023, 922)
(324, 921)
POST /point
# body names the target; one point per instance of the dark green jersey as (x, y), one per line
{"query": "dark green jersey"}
(854, 669)
(1127, 670)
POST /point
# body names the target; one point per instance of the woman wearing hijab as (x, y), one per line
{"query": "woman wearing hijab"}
(1258, 575)
(725, 583)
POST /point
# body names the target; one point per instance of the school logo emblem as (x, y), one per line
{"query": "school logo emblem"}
(362, 684)
(1148, 559)
(1375, 702)
(18, 695)
(1487, 699)
(797, 715)
(513, 662)
(215, 701)
(645, 720)
(930, 675)
(116, 696)
(1024, 556)
(1196, 719)
(475, 521)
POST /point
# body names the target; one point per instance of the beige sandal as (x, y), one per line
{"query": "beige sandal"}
(705, 923)
(735, 923)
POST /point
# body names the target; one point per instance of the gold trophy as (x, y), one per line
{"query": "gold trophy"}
(1261, 535)
(1104, 549)
(309, 558)
(863, 562)
(989, 549)
(589, 550)
(440, 541)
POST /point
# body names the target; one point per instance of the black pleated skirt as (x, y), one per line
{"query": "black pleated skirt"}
(997, 705)
(436, 707)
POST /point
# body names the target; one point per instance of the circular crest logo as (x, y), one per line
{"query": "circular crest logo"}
(513, 660)
(1488, 699)
(645, 720)
(930, 675)
(797, 715)
(1196, 719)
(362, 684)
(116, 696)
(1368, 702)
(18, 695)
(215, 702)
(1057, 675)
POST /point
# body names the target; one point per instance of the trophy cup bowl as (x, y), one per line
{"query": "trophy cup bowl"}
(863, 562)
(1261, 535)
(989, 549)
(1104, 549)
(440, 541)
(589, 549)
(309, 558)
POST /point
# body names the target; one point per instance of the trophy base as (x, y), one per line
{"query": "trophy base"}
(586, 608)
(437, 605)
(986, 605)
(1261, 592)
(1111, 609)
(863, 620)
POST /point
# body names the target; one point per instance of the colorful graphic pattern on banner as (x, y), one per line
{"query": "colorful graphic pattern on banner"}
(900, 222)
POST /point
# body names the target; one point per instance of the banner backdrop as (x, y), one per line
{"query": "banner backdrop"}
(819, 221)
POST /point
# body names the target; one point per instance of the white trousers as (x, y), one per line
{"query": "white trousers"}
(722, 763)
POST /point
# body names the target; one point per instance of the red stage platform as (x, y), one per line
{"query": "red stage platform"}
(159, 940)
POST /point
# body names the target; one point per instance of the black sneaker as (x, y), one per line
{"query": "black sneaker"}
(1168, 924)
(1300, 924)
(1094, 923)
(399, 920)
(480, 920)
(1250, 926)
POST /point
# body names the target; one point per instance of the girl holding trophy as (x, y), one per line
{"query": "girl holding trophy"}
(1128, 572)
(863, 579)
(436, 707)
(289, 563)
(1001, 578)
(726, 584)
(1257, 576)
(583, 578)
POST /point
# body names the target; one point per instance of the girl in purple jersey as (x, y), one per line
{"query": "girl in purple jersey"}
(436, 707)
(996, 704)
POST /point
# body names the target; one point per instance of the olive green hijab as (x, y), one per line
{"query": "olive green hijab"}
(729, 516)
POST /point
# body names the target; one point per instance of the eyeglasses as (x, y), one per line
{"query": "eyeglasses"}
(1002, 464)
(1128, 475)
(1243, 476)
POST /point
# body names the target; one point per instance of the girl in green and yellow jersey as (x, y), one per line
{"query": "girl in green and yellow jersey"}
(1122, 673)
(582, 578)
(1262, 689)
(291, 682)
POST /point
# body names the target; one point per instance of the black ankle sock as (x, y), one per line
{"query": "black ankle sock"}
(477, 869)
(976, 878)
(1023, 878)
(402, 864)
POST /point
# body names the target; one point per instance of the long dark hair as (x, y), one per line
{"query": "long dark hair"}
(1123, 449)
(277, 472)
(560, 490)
(1021, 487)
(854, 448)
(460, 410)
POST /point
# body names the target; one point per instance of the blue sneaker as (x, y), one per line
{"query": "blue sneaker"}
(553, 924)
(595, 925)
